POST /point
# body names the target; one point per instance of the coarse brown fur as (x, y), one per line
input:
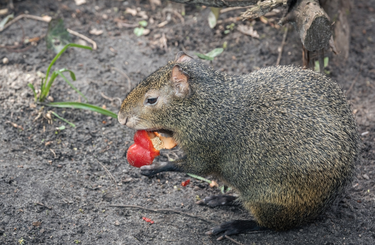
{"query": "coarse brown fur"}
(283, 137)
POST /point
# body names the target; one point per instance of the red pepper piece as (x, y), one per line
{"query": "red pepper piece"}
(185, 183)
(142, 152)
(148, 220)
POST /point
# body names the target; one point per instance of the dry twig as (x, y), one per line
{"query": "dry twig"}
(109, 173)
(231, 9)
(124, 74)
(94, 46)
(262, 8)
(355, 80)
(232, 240)
(28, 16)
(54, 154)
(164, 210)
(110, 99)
(282, 47)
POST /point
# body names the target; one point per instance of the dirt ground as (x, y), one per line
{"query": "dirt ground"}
(54, 185)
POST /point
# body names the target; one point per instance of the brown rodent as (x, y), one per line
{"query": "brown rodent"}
(283, 137)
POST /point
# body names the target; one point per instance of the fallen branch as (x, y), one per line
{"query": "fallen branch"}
(163, 211)
(94, 46)
(47, 19)
(231, 9)
(109, 173)
(44, 19)
(313, 24)
(282, 47)
(126, 76)
(232, 240)
(262, 8)
(219, 3)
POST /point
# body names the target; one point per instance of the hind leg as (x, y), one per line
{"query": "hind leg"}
(219, 200)
(235, 227)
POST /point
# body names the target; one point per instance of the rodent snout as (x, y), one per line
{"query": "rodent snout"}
(123, 119)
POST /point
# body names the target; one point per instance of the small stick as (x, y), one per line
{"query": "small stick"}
(53, 153)
(41, 204)
(94, 46)
(231, 9)
(163, 210)
(23, 16)
(110, 99)
(109, 173)
(232, 240)
(355, 80)
(126, 76)
(282, 47)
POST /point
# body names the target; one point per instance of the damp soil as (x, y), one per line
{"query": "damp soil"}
(61, 186)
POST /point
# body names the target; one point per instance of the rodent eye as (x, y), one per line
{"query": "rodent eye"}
(152, 101)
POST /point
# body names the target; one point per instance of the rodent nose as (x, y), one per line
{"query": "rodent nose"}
(122, 118)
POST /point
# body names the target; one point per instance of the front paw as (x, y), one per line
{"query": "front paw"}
(157, 167)
(173, 154)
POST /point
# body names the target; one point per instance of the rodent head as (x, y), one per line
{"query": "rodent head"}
(146, 105)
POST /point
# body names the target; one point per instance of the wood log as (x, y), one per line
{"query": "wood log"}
(262, 8)
(312, 23)
(338, 11)
(310, 20)
(219, 3)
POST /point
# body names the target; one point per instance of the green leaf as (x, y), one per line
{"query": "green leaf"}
(143, 23)
(316, 66)
(138, 31)
(210, 55)
(203, 57)
(326, 59)
(57, 35)
(71, 124)
(62, 127)
(199, 177)
(67, 81)
(61, 52)
(5, 21)
(84, 106)
(33, 89)
(215, 52)
(213, 16)
(47, 87)
(225, 45)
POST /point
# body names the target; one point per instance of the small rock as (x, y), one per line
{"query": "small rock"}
(5, 61)
(126, 180)
(37, 224)
(366, 176)
(117, 223)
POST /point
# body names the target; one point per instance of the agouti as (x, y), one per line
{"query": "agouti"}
(283, 137)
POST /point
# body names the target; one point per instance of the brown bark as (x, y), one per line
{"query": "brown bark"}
(262, 8)
(312, 23)
(338, 11)
(219, 3)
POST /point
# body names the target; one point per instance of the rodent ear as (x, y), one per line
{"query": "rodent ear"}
(182, 57)
(180, 82)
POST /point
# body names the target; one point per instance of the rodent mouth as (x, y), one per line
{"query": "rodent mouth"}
(162, 132)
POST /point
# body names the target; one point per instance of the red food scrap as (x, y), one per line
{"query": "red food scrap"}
(142, 152)
(185, 183)
(148, 220)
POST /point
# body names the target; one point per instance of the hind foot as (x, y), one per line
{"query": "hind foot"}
(235, 227)
(220, 200)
